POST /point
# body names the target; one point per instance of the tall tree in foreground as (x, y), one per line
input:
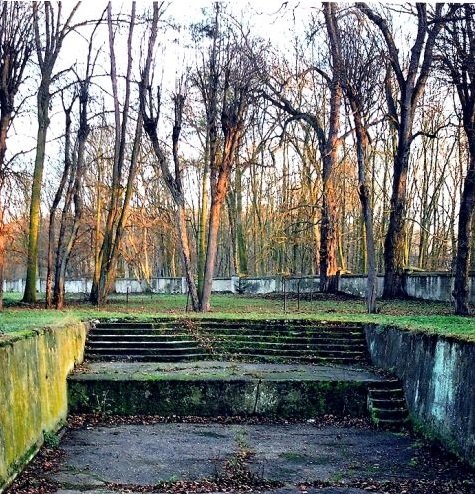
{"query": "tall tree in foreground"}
(15, 51)
(411, 82)
(458, 59)
(49, 34)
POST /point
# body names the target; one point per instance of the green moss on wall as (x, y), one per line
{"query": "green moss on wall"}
(33, 390)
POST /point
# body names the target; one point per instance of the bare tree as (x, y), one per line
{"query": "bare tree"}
(233, 93)
(360, 72)
(328, 143)
(49, 34)
(15, 51)
(458, 59)
(121, 194)
(174, 182)
(411, 82)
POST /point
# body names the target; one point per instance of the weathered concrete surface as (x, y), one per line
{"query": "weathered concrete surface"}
(227, 370)
(220, 388)
(430, 286)
(438, 375)
(33, 395)
(147, 455)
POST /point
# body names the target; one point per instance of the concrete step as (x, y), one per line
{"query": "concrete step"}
(114, 350)
(387, 394)
(135, 324)
(137, 332)
(387, 405)
(265, 358)
(311, 338)
(134, 336)
(140, 344)
(276, 331)
(243, 343)
(293, 351)
(389, 413)
(287, 323)
(113, 357)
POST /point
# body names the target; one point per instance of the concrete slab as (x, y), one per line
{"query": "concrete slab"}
(207, 388)
(225, 370)
(138, 455)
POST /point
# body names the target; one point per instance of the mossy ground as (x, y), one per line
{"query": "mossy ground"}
(430, 317)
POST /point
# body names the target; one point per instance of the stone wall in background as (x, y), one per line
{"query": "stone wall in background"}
(33, 391)
(427, 286)
(438, 375)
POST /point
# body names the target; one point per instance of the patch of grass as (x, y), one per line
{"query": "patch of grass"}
(417, 315)
(294, 457)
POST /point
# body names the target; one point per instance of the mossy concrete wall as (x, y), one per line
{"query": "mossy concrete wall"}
(438, 375)
(214, 397)
(33, 390)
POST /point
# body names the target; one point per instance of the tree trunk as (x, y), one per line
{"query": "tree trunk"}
(328, 240)
(212, 250)
(4, 124)
(242, 269)
(395, 237)
(186, 256)
(35, 205)
(202, 228)
(366, 208)
(462, 260)
(53, 210)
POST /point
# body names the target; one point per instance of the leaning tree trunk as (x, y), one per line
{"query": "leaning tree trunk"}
(462, 260)
(328, 240)
(53, 210)
(186, 256)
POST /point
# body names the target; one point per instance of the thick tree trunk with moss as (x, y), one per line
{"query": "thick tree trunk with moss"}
(35, 204)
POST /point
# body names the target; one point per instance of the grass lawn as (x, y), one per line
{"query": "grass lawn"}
(432, 317)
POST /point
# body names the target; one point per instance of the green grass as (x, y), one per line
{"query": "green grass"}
(430, 317)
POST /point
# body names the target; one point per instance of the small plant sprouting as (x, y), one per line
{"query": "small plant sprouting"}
(51, 439)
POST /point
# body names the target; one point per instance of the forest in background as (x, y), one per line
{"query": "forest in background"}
(346, 144)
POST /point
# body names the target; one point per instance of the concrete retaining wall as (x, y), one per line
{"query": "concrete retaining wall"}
(438, 375)
(33, 392)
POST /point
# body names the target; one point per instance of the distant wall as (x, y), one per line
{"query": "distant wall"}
(427, 286)
(33, 392)
(438, 375)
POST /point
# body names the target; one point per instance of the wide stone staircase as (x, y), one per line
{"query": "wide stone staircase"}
(142, 342)
(253, 341)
